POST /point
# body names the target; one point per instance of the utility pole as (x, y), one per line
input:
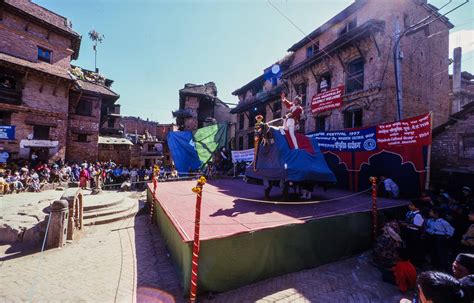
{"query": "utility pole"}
(397, 61)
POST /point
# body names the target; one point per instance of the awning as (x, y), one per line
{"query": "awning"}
(114, 141)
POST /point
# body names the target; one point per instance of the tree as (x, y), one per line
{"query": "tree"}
(97, 38)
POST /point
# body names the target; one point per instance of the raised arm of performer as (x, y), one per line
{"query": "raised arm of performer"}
(285, 101)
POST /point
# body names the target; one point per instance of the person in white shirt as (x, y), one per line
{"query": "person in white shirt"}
(412, 229)
(391, 188)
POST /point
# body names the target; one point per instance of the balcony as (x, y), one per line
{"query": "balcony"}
(10, 96)
(113, 110)
(183, 113)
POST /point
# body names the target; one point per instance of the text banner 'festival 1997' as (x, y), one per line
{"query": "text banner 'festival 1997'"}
(7, 132)
(413, 131)
(328, 100)
(357, 140)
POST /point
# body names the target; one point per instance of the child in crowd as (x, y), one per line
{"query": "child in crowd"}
(440, 232)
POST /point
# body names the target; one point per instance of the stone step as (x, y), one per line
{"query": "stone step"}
(124, 206)
(94, 202)
(115, 216)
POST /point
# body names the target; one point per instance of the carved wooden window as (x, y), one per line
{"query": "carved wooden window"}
(41, 132)
(5, 118)
(353, 118)
(44, 54)
(84, 108)
(355, 76)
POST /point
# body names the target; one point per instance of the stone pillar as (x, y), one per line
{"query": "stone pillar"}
(457, 57)
(57, 232)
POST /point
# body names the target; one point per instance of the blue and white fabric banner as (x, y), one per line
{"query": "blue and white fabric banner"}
(7, 132)
(354, 140)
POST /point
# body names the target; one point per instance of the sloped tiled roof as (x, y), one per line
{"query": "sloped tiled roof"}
(43, 14)
(38, 66)
(97, 88)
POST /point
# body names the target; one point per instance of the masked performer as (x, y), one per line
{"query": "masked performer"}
(293, 117)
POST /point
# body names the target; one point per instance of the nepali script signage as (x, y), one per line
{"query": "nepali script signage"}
(242, 155)
(328, 100)
(412, 131)
(7, 132)
(357, 140)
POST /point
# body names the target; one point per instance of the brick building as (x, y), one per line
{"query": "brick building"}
(452, 159)
(57, 109)
(354, 50)
(149, 139)
(259, 96)
(199, 106)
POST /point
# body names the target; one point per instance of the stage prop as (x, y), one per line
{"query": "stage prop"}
(279, 161)
(243, 242)
(192, 150)
(398, 150)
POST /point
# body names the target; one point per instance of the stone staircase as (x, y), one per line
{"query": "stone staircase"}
(104, 209)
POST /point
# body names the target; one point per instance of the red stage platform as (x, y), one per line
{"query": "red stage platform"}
(224, 214)
(243, 242)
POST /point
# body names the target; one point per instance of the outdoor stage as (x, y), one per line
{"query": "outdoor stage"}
(243, 242)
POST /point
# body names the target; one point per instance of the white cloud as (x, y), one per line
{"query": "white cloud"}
(463, 38)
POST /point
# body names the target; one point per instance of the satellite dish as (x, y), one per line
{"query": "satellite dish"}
(275, 69)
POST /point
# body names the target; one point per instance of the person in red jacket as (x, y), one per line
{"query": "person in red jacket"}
(293, 117)
(404, 272)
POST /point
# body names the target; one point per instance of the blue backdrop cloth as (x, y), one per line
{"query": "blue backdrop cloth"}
(277, 161)
(183, 152)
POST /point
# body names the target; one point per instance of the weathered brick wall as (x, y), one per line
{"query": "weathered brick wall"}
(447, 149)
(192, 104)
(120, 154)
(425, 67)
(22, 41)
(134, 124)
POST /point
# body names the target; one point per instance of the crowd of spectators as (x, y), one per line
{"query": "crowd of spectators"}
(27, 176)
(436, 238)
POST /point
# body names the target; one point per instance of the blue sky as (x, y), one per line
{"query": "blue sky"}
(153, 47)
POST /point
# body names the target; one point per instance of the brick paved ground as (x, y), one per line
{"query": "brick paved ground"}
(109, 263)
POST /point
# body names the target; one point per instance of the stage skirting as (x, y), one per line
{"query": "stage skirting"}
(234, 261)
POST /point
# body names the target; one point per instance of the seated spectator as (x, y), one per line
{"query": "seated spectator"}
(467, 284)
(404, 272)
(15, 182)
(439, 231)
(463, 265)
(467, 240)
(34, 182)
(438, 287)
(126, 185)
(390, 188)
(411, 233)
(387, 245)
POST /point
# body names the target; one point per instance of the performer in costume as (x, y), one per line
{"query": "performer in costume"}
(258, 135)
(293, 117)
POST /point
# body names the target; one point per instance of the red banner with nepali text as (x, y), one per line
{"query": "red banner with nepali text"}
(414, 131)
(328, 100)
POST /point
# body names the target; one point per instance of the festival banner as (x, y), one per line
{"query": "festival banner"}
(242, 155)
(328, 100)
(7, 132)
(348, 141)
(412, 131)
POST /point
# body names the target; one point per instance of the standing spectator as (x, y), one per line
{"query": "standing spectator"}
(83, 178)
(440, 232)
(134, 177)
(412, 232)
(467, 197)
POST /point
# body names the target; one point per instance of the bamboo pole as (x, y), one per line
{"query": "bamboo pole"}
(197, 224)
(428, 156)
(373, 180)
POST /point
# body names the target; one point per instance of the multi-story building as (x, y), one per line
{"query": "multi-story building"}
(149, 139)
(199, 106)
(453, 141)
(56, 109)
(261, 96)
(353, 52)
